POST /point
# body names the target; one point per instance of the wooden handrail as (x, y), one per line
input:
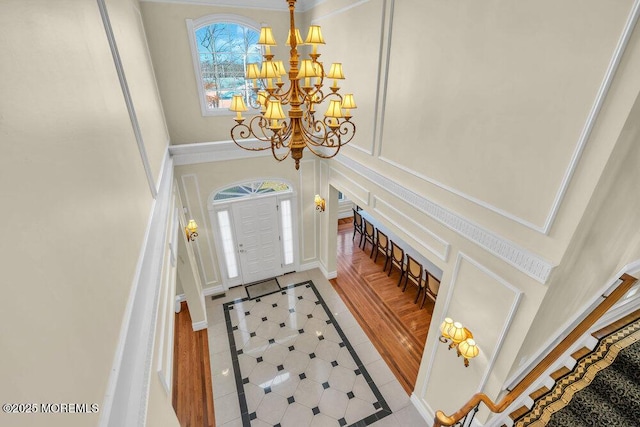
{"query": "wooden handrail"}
(448, 420)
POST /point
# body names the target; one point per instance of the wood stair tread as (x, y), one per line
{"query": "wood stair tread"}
(518, 413)
(539, 393)
(560, 373)
(579, 354)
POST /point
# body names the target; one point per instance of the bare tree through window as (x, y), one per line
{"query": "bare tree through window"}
(224, 51)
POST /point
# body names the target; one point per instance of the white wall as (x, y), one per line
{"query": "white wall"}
(77, 199)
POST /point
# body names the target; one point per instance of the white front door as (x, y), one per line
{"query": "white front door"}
(258, 238)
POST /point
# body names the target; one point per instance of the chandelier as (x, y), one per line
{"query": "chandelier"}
(299, 128)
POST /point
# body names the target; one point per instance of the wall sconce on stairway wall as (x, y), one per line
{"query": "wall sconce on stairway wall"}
(320, 203)
(191, 230)
(459, 337)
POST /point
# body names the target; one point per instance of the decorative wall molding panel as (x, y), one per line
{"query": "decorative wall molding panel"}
(355, 190)
(194, 205)
(441, 252)
(135, 125)
(525, 261)
(318, 21)
(592, 118)
(304, 199)
(490, 354)
(385, 54)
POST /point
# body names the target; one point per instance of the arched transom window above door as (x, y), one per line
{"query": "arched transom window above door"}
(251, 189)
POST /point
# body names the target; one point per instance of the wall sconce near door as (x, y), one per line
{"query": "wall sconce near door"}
(459, 337)
(320, 203)
(191, 230)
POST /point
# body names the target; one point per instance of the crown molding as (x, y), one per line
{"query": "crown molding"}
(301, 6)
(205, 152)
(527, 262)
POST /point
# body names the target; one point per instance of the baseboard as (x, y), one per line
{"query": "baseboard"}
(309, 266)
(198, 326)
(423, 409)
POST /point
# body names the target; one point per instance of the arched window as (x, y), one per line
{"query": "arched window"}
(249, 189)
(222, 46)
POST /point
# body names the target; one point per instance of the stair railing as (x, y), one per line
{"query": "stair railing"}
(459, 418)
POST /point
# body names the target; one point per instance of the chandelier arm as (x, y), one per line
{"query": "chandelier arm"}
(310, 144)
(326, 137)
(279, 157)
(283, 137)
(329, 137)
(242, 131)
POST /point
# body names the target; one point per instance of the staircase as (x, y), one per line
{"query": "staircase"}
(603, 389)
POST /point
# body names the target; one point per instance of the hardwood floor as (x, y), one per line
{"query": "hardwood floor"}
(396, 326)
(192, 389)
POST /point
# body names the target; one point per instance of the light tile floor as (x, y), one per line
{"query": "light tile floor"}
(292, 368)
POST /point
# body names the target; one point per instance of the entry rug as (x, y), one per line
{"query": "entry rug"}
(259, 289)
(294, 365)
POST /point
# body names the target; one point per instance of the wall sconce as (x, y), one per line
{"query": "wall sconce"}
(191, 230)
(459, 337)
(320, 203)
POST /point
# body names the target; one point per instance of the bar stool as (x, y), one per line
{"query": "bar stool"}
(397, 259)
(414, 273)
(357, 225)
(432, 286)
(382, 244)
(369, 235)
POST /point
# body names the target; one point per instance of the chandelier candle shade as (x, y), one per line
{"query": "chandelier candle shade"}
(287, 123)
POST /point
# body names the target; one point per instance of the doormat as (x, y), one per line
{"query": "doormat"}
(262, 288)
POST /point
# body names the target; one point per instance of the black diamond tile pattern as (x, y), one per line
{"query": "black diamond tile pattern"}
(277, 356)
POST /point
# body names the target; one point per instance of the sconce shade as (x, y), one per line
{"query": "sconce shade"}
(191, 230)
(457, 333)
(444, 327)
(314, 36)
(192, 226)
(468, 348)
(266, 37)
(237, 104)
(299, 41)
(320, 203)
(335, 72)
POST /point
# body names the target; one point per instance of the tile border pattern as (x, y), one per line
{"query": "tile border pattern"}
(383, 409)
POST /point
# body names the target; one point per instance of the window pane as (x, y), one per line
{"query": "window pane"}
(250, 188)
(224, 50)
(287, 232)
(227, 244)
